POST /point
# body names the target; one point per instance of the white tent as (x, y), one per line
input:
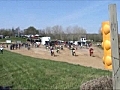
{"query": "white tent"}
(37, 35)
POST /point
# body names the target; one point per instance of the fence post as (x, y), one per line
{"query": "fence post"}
(114, 46)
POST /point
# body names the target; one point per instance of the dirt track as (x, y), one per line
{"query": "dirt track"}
(82, 57)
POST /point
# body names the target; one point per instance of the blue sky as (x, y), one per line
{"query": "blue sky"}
(88, 14)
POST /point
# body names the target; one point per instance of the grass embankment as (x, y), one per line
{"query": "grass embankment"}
(13, 39)
(33, 73)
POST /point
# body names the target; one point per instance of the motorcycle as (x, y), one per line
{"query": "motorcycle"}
(73, 53)
(58, 51)
(52, 53)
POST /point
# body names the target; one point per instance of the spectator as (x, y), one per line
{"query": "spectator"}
(1, 49)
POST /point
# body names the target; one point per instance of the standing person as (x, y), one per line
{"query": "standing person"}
(7, 45)
(91, 51)
(1, 49)
(19, 45)
(28, 46)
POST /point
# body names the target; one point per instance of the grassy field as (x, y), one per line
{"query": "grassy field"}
(25, 72)
(13, 39)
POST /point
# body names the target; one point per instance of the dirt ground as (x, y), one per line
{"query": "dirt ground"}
(82, 57)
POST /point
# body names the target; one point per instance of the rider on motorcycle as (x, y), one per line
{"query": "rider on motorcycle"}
(73, 51)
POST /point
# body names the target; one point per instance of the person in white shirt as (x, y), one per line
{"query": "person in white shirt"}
(1, 49)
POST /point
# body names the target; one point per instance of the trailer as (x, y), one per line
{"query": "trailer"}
(44, 39)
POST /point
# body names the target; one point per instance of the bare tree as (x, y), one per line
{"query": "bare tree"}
(42, 32)
(57, 31)
(48, 32)
(69, 33)
(18, 31)
(79, 32)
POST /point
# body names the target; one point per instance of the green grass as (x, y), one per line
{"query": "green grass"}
(32, 73)
(13, 39)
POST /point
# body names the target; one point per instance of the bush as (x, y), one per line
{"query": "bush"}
(102, 83)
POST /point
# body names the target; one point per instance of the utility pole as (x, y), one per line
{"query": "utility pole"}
(114, 46)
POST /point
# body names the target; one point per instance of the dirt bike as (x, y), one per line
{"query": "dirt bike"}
(61, 47)
(58, 51)
(47, 47)
(73, 53)
(52, 53)
(28, 47)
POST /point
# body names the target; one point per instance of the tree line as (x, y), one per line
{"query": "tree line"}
(55, 32)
